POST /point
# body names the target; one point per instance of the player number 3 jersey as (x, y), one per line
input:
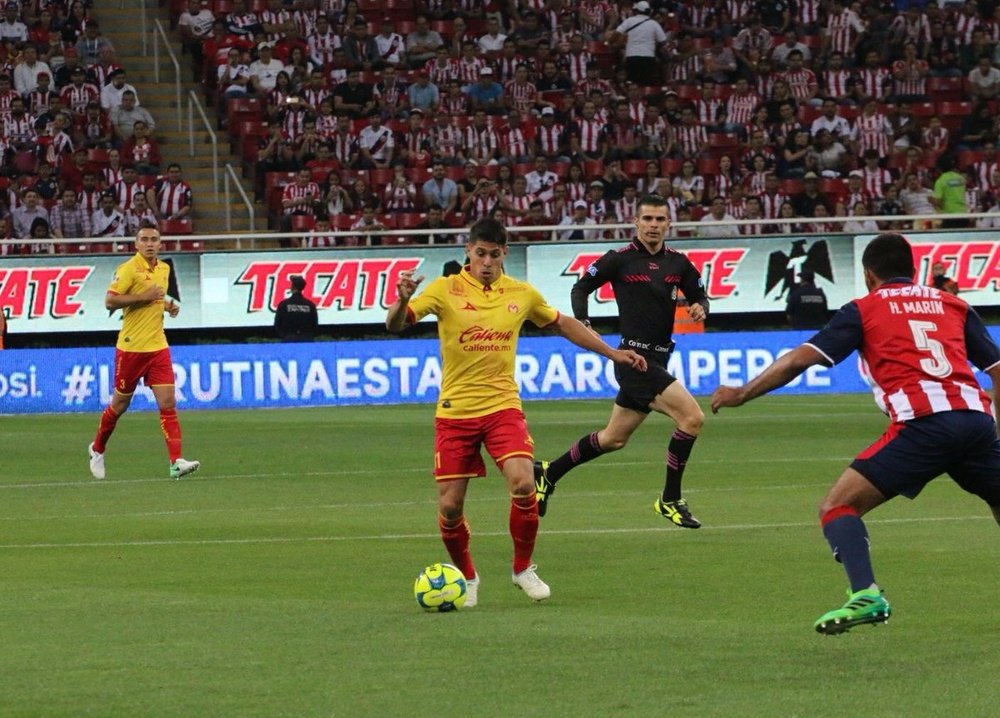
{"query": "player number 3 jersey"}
(915, 344)
(142, 327)
(478, 326)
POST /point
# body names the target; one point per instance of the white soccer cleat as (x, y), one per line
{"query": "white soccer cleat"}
(96, 462)
(183, 467)
(471, 593)
(529, 582)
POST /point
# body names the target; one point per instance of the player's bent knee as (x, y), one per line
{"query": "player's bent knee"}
(612, 443)
(692, 422)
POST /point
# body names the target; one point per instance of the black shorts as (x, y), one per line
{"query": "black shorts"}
(962, 444)
(637, 389)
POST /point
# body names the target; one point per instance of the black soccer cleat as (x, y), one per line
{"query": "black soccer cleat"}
(677, 512)
(543, 487)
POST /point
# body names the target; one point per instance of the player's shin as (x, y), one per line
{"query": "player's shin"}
(109, 419)
(678, 453)
(523, 528)
(171, 428)
(455, 534)
(848, 538)
(585, 449)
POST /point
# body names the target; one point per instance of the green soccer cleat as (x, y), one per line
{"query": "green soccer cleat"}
(677, 512)
(865, 606)
(543, 487)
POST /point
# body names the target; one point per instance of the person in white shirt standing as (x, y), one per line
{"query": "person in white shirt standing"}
(643, 37)
(195, 25)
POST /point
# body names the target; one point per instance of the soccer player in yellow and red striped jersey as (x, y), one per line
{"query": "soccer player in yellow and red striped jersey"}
(480, 312)
(139, 289)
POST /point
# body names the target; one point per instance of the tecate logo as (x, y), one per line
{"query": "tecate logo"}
(34, 292)
(340, 284)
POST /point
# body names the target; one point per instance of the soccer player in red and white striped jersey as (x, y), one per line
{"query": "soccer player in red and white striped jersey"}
(690, 136)
(127, 189)
(469, 64)
(519, 93)
(576, 60)
(874, 178)
(171, 197)
(872, 130)
(741, 104)
(801, 80)
(966, 22)
(836, 80)
(322, 42)
(915, 345)
(442, 68)
(586, 135)
(910, 75)
(874, 78)
(78, 93)
(481, 142)
(550, 136)
(843, 28)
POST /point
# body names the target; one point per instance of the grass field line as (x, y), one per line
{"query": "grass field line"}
(431, 536)
(371, 472)
(379, 504)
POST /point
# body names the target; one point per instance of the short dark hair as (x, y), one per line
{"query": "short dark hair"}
(488, 230)
(889, 255)
(298, 283)
(652, 200)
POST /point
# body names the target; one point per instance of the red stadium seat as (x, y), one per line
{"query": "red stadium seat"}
(592, 169)
(302, 222)
(707, 166)
(954, 109)
(176, 226)
(944, 89)
(98, 157)
(634, 168)
(924, 109)
(379, 178)
(670, 166)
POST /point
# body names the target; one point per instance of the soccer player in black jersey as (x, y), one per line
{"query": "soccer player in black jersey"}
(646, 276)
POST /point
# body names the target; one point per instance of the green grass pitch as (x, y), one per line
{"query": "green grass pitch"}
(277, 581)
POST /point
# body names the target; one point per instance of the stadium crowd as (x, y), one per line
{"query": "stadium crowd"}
(78, 158)
(551, 112)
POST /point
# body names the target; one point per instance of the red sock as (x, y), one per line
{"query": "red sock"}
(171, 433)
(456, 534)
(107, 425)
(523, 529)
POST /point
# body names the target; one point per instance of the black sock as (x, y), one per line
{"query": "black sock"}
(848, 539)
(581, 452)
(678, 452)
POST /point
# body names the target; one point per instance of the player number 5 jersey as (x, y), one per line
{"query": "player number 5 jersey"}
(915, 344)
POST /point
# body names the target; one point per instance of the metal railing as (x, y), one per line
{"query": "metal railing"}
(625, 230)
(160, 35)
(230, 172)
(194, 102)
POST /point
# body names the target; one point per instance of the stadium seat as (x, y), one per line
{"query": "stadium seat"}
(791, 186)
(670, 166)
(592, 169)
(954, 108)
(302, 222)
(634, 168)
(944, 89)
(707, 166)
(924, 109)
(379, 178)
(176, 226)
(98, 157)
(418, 175)
(967, 158)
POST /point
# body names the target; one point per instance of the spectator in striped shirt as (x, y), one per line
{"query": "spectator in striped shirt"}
(171, 197)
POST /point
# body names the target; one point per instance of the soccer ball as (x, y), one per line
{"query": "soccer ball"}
(440, 587)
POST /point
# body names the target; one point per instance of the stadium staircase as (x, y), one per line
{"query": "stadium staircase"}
(123, 28)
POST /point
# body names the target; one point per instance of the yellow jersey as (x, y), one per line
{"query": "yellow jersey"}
(478, 326)
(142, 327)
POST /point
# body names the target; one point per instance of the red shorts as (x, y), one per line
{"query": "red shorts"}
(457, 443)
(154, 368)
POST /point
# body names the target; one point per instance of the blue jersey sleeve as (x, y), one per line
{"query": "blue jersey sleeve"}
(979, 345)
(841, 336)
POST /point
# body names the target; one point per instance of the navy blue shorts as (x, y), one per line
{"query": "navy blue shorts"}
(962, 444)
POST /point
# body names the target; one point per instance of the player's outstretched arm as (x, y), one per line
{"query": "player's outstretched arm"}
(396, 319)
(778, 374)
(583, 336)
